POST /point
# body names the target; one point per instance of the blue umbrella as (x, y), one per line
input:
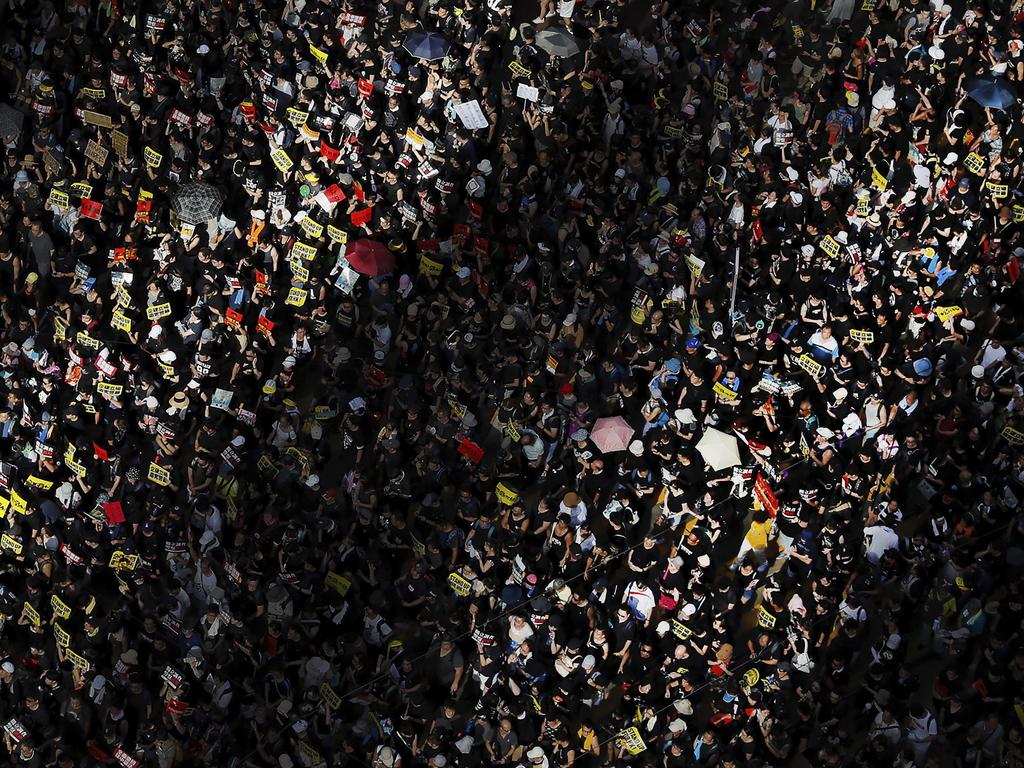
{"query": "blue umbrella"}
(992, 92)
(426, 45)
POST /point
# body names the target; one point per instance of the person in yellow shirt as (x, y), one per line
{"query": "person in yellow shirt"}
(756, 540)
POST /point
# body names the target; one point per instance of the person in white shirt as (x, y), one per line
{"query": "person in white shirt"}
(990, 354)
(879, 539)
(823, 344)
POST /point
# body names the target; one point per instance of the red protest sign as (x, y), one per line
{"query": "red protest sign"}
(360, 196)
(90, 209)
(100, 453)
(365, 87)
(232, 317)
(334, 194)
(264, 326)
(328, 151)
(471, 450)
(114, 512)
(765, 495)
(359, 218)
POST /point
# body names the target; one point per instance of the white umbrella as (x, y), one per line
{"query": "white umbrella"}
(719, 450)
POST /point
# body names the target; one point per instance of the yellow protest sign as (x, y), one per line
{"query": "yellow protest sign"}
(1012, 436)
(81, 189)
(414, 138)
(975, 163)
(74, 466)
(320, 55)
(281, 160)
(62, 636)
(60, 609)
(5, 504)
(309, 756)
(863, 209)
(948, 313)
(724, 392)
(864, 337)
(1018, 213)
(299, 272)
(303, 251)
(60, 329)
(30, 613)
(506, 495)
(86, 340)
(764, 618)
(333, 699)
(632, 741)
(312, 227)
(296, 297)
(58, 199)
(297, 117)
(77, 660)
(512, 431)
(459, 585)
(998, 191)
(429, 267)
(878, 180)
(159, 475)
(695, 265)
(680, 630)
(830, 246)
(122, 297)
(751, 677)
(518, 70)
(10, 543)
(158, 311)
(809, 364)
(40, 483)
(721, 91)
(120, 321)
(337, 235)
(120, 561)
(152, 157)
(18, 504)
(337, 582)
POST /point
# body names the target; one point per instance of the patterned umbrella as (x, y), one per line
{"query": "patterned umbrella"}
(197, 203)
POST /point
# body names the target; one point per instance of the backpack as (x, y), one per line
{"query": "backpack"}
(834, 128)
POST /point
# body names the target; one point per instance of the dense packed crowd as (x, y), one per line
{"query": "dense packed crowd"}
(405, 384)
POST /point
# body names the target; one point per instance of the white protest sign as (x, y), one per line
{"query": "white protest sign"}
(471, 115)
(528, 92)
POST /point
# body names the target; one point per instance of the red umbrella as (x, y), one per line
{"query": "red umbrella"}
(369, 257)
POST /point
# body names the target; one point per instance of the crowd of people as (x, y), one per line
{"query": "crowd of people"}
(405, 384)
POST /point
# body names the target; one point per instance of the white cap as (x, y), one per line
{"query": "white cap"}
(463, 272)
(7, 667)
(312, 480)
(978, 372)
